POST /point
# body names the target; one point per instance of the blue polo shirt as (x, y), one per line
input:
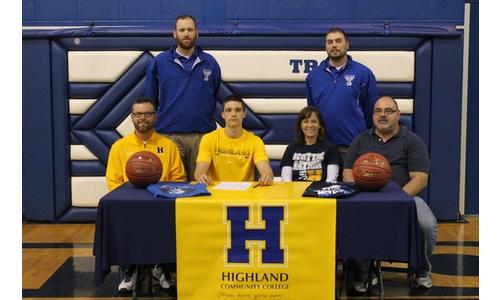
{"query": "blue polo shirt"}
(344, 97)
(185, 91)
(187, 62)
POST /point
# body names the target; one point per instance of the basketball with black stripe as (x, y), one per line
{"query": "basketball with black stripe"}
(371, 171)
(143, 168)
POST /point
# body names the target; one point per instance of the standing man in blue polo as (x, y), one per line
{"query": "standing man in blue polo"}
(343, 90)
(184, 82)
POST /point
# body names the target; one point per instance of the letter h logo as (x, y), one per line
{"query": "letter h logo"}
(255, 233)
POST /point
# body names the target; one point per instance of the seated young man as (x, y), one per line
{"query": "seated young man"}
(231, 153)
(144, 138)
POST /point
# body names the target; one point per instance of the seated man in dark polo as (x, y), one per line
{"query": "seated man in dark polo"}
(410, 163)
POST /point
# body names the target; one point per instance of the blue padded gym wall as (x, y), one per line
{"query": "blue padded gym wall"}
(38, 170)
(50, 172)
(220, 12)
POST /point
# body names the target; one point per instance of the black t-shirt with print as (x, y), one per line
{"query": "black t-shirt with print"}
(309, 162)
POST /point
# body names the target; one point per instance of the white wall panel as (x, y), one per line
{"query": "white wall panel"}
(275, 105)
(275, 151)
(126, 127)
(99, 66)
(86, 191)
(81, 152)
(267, 66)
(80, 106)
(405, 106)
(287, 105)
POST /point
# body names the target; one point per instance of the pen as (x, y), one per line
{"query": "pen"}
(258, 184)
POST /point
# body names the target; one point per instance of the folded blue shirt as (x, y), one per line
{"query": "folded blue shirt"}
(174, 190)
(322, 189)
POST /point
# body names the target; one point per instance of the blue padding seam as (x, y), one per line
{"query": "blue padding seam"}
(87, 168)
(138, 43)
(79, 214)
(87, 90)
(298, 89)
(249, 27)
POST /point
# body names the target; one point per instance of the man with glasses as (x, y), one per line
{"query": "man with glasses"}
(343, 90)
(144, 138)
(184, 82)
(410, 164)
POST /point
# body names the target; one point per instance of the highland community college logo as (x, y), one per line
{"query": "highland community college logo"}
(255, 235)
(255, 240)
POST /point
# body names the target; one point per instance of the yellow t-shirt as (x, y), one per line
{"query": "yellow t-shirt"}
(124, 148)
(231, 159)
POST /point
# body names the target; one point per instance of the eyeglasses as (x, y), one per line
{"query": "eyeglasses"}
(387, 111)
(146, 114)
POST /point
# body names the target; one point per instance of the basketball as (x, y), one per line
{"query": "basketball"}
(143, 168)
(371, 171)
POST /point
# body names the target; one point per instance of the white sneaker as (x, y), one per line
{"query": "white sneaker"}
(423, 282)
(362, 286)
(160, 278)
(128, 282)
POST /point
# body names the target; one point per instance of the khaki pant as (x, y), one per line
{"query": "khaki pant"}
(188, 144)
(342, 152)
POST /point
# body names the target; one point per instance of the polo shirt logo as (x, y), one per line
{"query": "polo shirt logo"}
(349, 79)
(206, 74)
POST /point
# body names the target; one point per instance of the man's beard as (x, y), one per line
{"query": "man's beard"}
(338, 56)
(143, 127)
(180, 43)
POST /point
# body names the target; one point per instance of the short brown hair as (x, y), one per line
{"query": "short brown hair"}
(233, 97)
(338, 29)
(183, 17)
(142, 100)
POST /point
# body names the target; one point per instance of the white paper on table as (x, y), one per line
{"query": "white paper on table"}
(234, 186)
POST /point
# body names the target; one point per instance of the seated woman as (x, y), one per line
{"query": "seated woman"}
(312, 157)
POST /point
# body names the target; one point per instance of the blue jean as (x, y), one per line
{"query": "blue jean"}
(429, 228)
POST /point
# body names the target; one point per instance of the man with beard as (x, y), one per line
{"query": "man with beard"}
(343, 90)
(144, 138)
(184, 82)
(410, 163)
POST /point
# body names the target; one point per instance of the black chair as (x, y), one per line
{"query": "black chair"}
(375, 268)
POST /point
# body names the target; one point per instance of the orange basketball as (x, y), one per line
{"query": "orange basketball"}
(371, 171)
(143, 168)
